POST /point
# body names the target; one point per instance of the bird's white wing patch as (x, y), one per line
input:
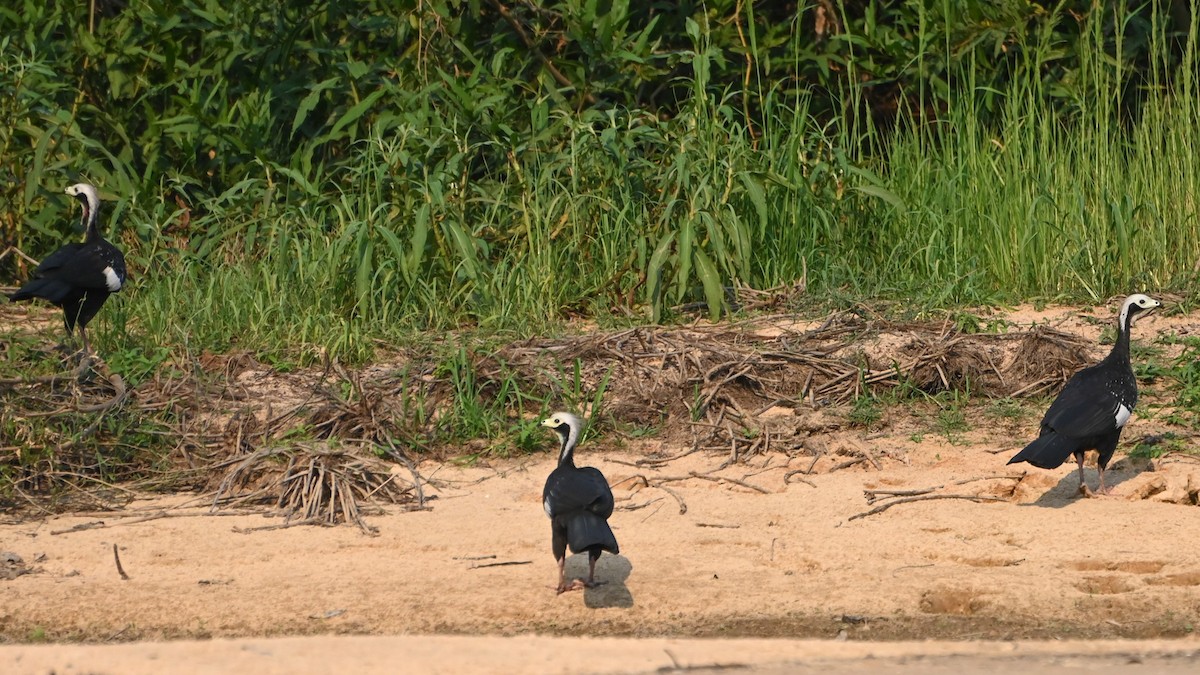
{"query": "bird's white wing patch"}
(111, 280)
(546, 505)
(1123, 414)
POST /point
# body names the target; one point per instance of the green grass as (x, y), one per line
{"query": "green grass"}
(865, 411)
(430, 214)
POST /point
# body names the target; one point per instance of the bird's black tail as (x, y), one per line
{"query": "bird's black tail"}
(1048, 451)
(50, 289)
(587, 530)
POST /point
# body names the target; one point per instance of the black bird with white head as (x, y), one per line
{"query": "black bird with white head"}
(1093, 407)
(579, 502)
(79, 277)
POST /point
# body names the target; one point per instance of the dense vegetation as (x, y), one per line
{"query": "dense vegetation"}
(294, 176)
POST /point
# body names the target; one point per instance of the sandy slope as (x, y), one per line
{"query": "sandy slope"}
(738, 563)
(1038, 563)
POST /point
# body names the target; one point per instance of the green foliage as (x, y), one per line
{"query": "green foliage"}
(1184, 371)
(1007, 409)
(1153, 447)
(303, 179)
(64, 431)
(865, 411)
(951, 418)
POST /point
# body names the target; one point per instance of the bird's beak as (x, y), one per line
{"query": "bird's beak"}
(546, 423)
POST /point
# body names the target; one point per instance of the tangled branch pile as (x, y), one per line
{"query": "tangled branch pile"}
(307, 444)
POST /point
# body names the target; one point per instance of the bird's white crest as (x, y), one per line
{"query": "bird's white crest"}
(1123, 414)
(1142, 302)
(111, 280)
(89, 193)
(574, 426)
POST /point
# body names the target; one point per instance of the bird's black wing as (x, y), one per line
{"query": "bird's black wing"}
(54, 263)
(604, 503)
(577, 490)
(83, 265)
(1087, 405)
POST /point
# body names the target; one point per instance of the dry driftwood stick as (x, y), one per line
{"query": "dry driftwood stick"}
(1033, 387)
(787, 478)
(849, 463)
(80, 527)
(646, 482)
(13, 250)
(917, 498)
(120, 570)
(735, 481)
(639, 506)
(117, 398)
(647, 461)
(73, 374)
(871, 458)
(501, 564)
(875, 495)
(682, 504)
(816, 456)
(280, 526)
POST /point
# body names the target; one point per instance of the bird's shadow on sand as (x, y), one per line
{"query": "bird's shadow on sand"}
(611, 572)
(1067, 490)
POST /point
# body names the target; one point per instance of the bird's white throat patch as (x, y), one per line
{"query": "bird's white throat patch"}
(1123, 414)
(111, 280)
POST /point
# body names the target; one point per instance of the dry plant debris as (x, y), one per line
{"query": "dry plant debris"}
(306, 443)
(315, 485)
(890, 498)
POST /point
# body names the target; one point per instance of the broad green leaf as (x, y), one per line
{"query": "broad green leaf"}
(882, 193)
(758, 197)
(416, 248)
(683, 272)
(310, 101)
(654, 274)
(465, 246)
(714, 290)
(365, 272)
(353, 114)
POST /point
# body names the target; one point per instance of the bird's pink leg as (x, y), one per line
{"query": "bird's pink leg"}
(1083, 488)
(563, 586)
(591, 580)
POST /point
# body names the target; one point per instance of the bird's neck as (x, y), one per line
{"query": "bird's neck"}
(90, 224)
(566, 454)
(1120, 350)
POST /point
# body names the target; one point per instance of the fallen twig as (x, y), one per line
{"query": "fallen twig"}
(735, 481)
(884, 507)
(682, 504)
(848, 463)
(120, 570)
(80, 527)
(787, 478)
(638, 507)
(875, 495)
(501, 564)
(279, 526)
